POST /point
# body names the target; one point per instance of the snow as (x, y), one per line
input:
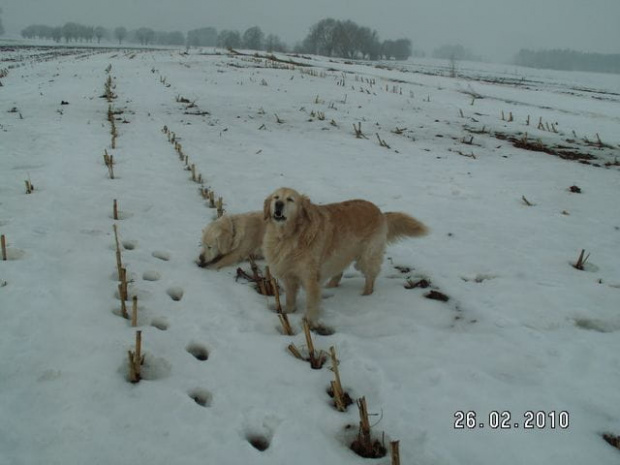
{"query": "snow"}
(523, 330)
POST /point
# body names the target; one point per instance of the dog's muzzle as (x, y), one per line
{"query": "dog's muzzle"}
(202, 263)
(278, 213)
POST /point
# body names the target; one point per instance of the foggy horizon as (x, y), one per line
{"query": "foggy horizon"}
(492, 29)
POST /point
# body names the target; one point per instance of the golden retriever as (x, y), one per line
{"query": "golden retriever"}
(231, 239)
(304, 243)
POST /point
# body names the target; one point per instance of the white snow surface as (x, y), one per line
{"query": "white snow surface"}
(523, 330)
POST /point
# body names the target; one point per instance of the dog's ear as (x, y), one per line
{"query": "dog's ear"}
(310, 219)
(225, 237)
(305, 205)
(267, 208)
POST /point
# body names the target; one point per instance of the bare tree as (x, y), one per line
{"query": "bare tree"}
(86, 33)
(169, 38)
(229, 39)
(100, 33)
(320, 40)
(274, 44)
(342, 38)
(70, 31)
(368, 43)
(57, 34)
(145, 35)
(120, 33)
(203, 37)
(398, 49)
(253, 38)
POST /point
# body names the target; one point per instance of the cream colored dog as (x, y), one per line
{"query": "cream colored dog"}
(305, 244)
(231, 239)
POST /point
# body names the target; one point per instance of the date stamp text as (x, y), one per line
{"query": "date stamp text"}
(502, 420)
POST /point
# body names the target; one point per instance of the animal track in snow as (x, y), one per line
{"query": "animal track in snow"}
(199, 351)
(258, 441)
(151, 275)
(201, 396)
(601, 326)
(175, 293)
(260, 429)
(129, 245)
(159, 323)
(478, 278)
(165, 256)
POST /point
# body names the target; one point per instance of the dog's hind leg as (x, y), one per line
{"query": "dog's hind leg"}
(335, 281)
(369, 284)
(370, 266)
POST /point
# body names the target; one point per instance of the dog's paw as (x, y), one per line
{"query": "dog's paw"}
(321, 329)
(215, 266)
(334, 281)
(318, 328)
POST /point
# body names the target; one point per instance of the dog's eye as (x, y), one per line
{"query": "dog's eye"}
(289, 199)
(276, 197)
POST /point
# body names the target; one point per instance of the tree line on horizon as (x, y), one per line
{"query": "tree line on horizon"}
(328, 37)
(345, 39)
(75, 32)
(569, 60)
(252, 38)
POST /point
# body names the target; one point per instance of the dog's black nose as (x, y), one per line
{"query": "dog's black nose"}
(279, 205)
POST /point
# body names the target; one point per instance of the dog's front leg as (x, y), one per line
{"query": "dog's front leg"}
(291, 287)
(225, 260)
(313, 300)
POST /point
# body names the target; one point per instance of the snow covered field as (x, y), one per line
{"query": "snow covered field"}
(523, 330)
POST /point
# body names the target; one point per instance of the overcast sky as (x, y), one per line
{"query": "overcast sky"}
(490, 28)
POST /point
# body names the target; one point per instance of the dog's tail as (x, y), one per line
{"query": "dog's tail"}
(401, 225)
